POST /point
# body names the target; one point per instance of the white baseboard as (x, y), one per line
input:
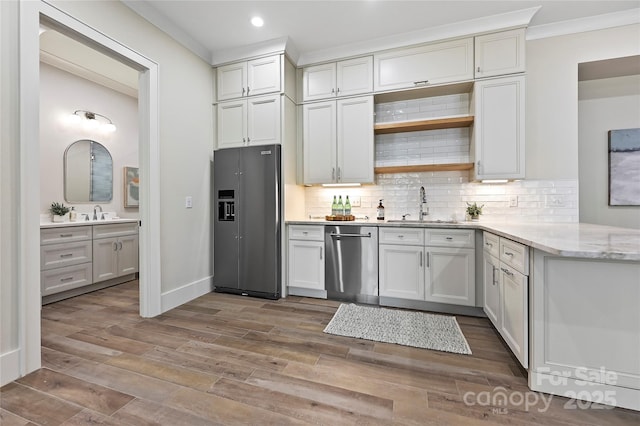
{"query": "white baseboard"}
(9, 366)
(186, 293)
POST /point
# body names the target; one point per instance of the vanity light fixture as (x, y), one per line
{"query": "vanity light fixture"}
(90, 119)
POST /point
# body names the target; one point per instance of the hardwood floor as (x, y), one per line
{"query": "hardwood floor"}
(224, 359)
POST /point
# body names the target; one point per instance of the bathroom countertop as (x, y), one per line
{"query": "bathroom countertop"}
(85, 222)
(581, 240)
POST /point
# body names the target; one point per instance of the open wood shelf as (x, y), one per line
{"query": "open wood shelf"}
(418, 125)
(424, 168)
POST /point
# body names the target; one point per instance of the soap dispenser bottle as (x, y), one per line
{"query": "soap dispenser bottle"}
(380, 212)
(73, 215)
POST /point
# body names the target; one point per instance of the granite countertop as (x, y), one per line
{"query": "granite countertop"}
(582, 240)
(84, 223)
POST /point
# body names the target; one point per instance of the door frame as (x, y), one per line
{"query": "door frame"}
(28, 234)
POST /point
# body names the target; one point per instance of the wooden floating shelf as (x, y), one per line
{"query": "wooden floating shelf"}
(415, 126)
(424, 168)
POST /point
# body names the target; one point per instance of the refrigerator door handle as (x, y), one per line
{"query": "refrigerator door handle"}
(320, 253)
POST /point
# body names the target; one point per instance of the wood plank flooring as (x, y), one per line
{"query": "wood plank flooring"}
(227, 360)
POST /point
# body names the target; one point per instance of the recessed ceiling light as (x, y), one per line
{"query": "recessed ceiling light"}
(257, 21)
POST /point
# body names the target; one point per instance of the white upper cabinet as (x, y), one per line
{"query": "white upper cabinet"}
(436, 63)
(338, 141)
(343, 78)
(499, 128)
(252, 121)
(500, 53)
(249, 78)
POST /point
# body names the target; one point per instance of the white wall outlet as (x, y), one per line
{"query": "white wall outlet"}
(355, 201)
(556, 201)
(513, 201)
(188, 202)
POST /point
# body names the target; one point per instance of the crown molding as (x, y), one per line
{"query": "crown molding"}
(268, 47)
(159, 20)
(503, 21)
(591, 23)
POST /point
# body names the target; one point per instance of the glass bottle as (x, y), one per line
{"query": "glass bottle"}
(340, 206)
(334, 207)
(347, 207)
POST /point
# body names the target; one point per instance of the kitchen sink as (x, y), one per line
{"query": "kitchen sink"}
(421, 221)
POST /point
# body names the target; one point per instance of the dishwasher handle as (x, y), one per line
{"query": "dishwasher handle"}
(367, 235)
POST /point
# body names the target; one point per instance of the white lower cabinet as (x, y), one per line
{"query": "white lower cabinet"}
(305, 267)
(401, 271)
(441, 270)
(114, 257)
(506, 292)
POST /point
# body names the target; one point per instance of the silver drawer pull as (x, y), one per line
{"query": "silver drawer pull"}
(66, 279)
(488, 244)
(449, 238)
(400, 236)
(66, 255)
(66, 235)
(508, 253)
(304, 232)
(421, 83)
(506, 271)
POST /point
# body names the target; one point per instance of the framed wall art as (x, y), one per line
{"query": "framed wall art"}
(624, 167)
(131, 192)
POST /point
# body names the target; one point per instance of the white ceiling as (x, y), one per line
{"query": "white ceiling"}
(208, 27)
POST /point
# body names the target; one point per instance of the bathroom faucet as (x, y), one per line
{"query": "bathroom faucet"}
(423, 201)
(95, 211)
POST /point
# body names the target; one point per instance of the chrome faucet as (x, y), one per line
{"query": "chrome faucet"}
(423, 201)
(95, 211)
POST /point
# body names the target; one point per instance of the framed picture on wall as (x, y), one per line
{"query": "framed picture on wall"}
(131, 193)
(624, 167)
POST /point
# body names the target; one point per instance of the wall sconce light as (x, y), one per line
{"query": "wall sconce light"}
(92, 121)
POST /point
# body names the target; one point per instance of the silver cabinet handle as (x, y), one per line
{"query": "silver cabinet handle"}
(66, 235)
(478, 69)
(305, 232)
(243, 91)
(248, 139)
(448, 238)
(65, 279)
(420, 259)
(333, 91)
(248, 88)
(506, 271)
(493, 279)
(115, 246)
(120, 245)
(428, 261)
(66, 255)
(320, 253)
(400, 236)
(333, 174)
(337, 90)
(421, 83)
(339, 174)
(508, 253)
(488, 244)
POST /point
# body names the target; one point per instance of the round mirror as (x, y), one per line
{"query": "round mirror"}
(88, 172)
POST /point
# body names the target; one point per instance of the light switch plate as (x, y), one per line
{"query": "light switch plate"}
(355, 201)
(188, 202)
(513, 201)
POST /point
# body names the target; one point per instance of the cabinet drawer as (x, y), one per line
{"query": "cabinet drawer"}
(310, 233)
(491, 244)
(450, 238)
(115, 230)
(66, 254)
(515, 255)
(404, 236)
(64, 235)
(62, 279)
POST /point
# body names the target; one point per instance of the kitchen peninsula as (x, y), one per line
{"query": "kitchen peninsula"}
(580, 316)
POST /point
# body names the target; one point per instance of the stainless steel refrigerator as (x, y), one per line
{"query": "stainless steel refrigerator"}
(247, 222)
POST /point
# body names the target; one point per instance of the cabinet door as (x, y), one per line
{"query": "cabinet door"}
(419, 66)
(499, 53)
(63, 279)
(263, 120)
(232, 81)
(128, 255)
(105, 259)
(306, 264)
(354, 76)
(450, 276)
(319, 142)
(491, 285)
(319, 82)
(263, 75)
(355, 140)
(514, 324)
(499, 128)
(232, 124)
(401, 271)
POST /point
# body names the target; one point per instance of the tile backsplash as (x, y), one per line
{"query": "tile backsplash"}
(447, 195)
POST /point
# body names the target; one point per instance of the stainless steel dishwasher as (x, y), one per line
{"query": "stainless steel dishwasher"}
(351, 264)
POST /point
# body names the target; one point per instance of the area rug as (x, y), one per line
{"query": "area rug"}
(409, 328)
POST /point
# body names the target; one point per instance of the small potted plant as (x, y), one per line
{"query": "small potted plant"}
(58, 211)
(474, 211)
